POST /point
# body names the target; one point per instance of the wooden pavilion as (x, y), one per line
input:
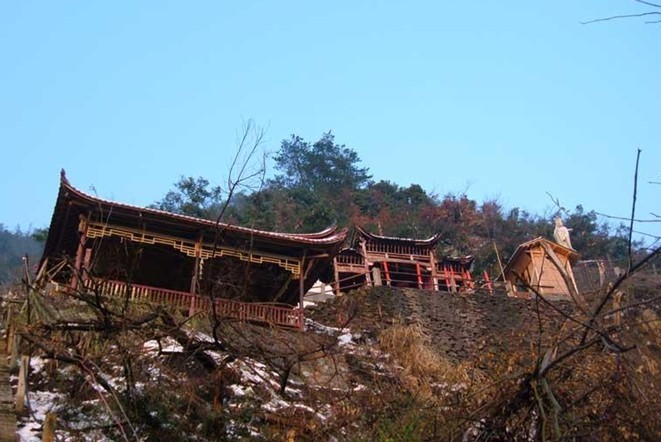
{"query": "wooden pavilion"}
(400, 262)
(182, 261)
(536, 264)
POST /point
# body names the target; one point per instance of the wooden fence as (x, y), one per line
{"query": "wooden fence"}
(272, 313)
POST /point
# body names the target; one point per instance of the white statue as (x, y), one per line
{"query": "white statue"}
(561, 234)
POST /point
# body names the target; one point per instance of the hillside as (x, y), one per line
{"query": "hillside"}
(376, 364)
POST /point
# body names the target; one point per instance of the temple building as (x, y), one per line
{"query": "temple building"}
(375, 260)
(182, 261)
(535, 264)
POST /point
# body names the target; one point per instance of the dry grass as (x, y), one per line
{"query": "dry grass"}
(424, 372)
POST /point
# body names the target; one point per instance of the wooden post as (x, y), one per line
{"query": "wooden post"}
(22, 385)
(336, 283)
(376, 274)
(13, 354)
(500, 263)
(80, 253)
(50, 423)
(86, 265)
(434, 270)
(488, 281)
(9, 325)
(363, 248)
(196, 266)
(419, 273)
(301, 293)
(193, 284)
(385, 269)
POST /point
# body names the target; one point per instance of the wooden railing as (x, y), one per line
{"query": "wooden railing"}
(454, 275)
(351, 259)
(276, 314)
(398, 249)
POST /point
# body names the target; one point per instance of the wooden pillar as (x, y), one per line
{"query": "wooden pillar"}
(434, 272)
(336, 283)
(196, 266)
(417, 269)
(87, 261)
(488, 281)
(301, 293)
(376, 274)
(446, 276)
(80, 253)
(196, 275)
(385, 269)
(368, 277)
(363, 249)
(193, 285)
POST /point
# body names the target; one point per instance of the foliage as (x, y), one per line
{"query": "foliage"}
(13, 247)
(321, 183)
(194, 197)
(321, 167)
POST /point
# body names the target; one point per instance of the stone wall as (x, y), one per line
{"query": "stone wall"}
(462, 327)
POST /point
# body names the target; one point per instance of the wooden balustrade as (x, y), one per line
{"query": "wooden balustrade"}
(281, 315)
(344, 259)
(397, 249)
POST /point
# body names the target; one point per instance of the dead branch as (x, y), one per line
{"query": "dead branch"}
(629, 219)
(621, 16)
(633, 208)
(617, 17)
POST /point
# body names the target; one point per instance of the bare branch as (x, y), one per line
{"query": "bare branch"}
(656, 5)
(556, 201)
(617, 17)
(633, 208)
(629, 218)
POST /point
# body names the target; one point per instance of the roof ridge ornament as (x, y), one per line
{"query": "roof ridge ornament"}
(63, 176)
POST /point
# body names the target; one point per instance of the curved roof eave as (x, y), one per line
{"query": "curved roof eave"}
(328, 236)
(431, 241)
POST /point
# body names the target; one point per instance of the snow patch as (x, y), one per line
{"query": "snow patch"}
(167, 345)
(240, 390)
(41, 403)
(345, 339)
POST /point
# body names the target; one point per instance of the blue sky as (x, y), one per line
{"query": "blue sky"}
(501, 99)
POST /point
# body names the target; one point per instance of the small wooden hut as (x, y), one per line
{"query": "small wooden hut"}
(536, 264)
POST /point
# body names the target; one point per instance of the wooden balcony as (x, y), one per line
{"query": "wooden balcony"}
(271, 313)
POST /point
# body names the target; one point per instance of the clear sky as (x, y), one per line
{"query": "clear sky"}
(508, 99)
